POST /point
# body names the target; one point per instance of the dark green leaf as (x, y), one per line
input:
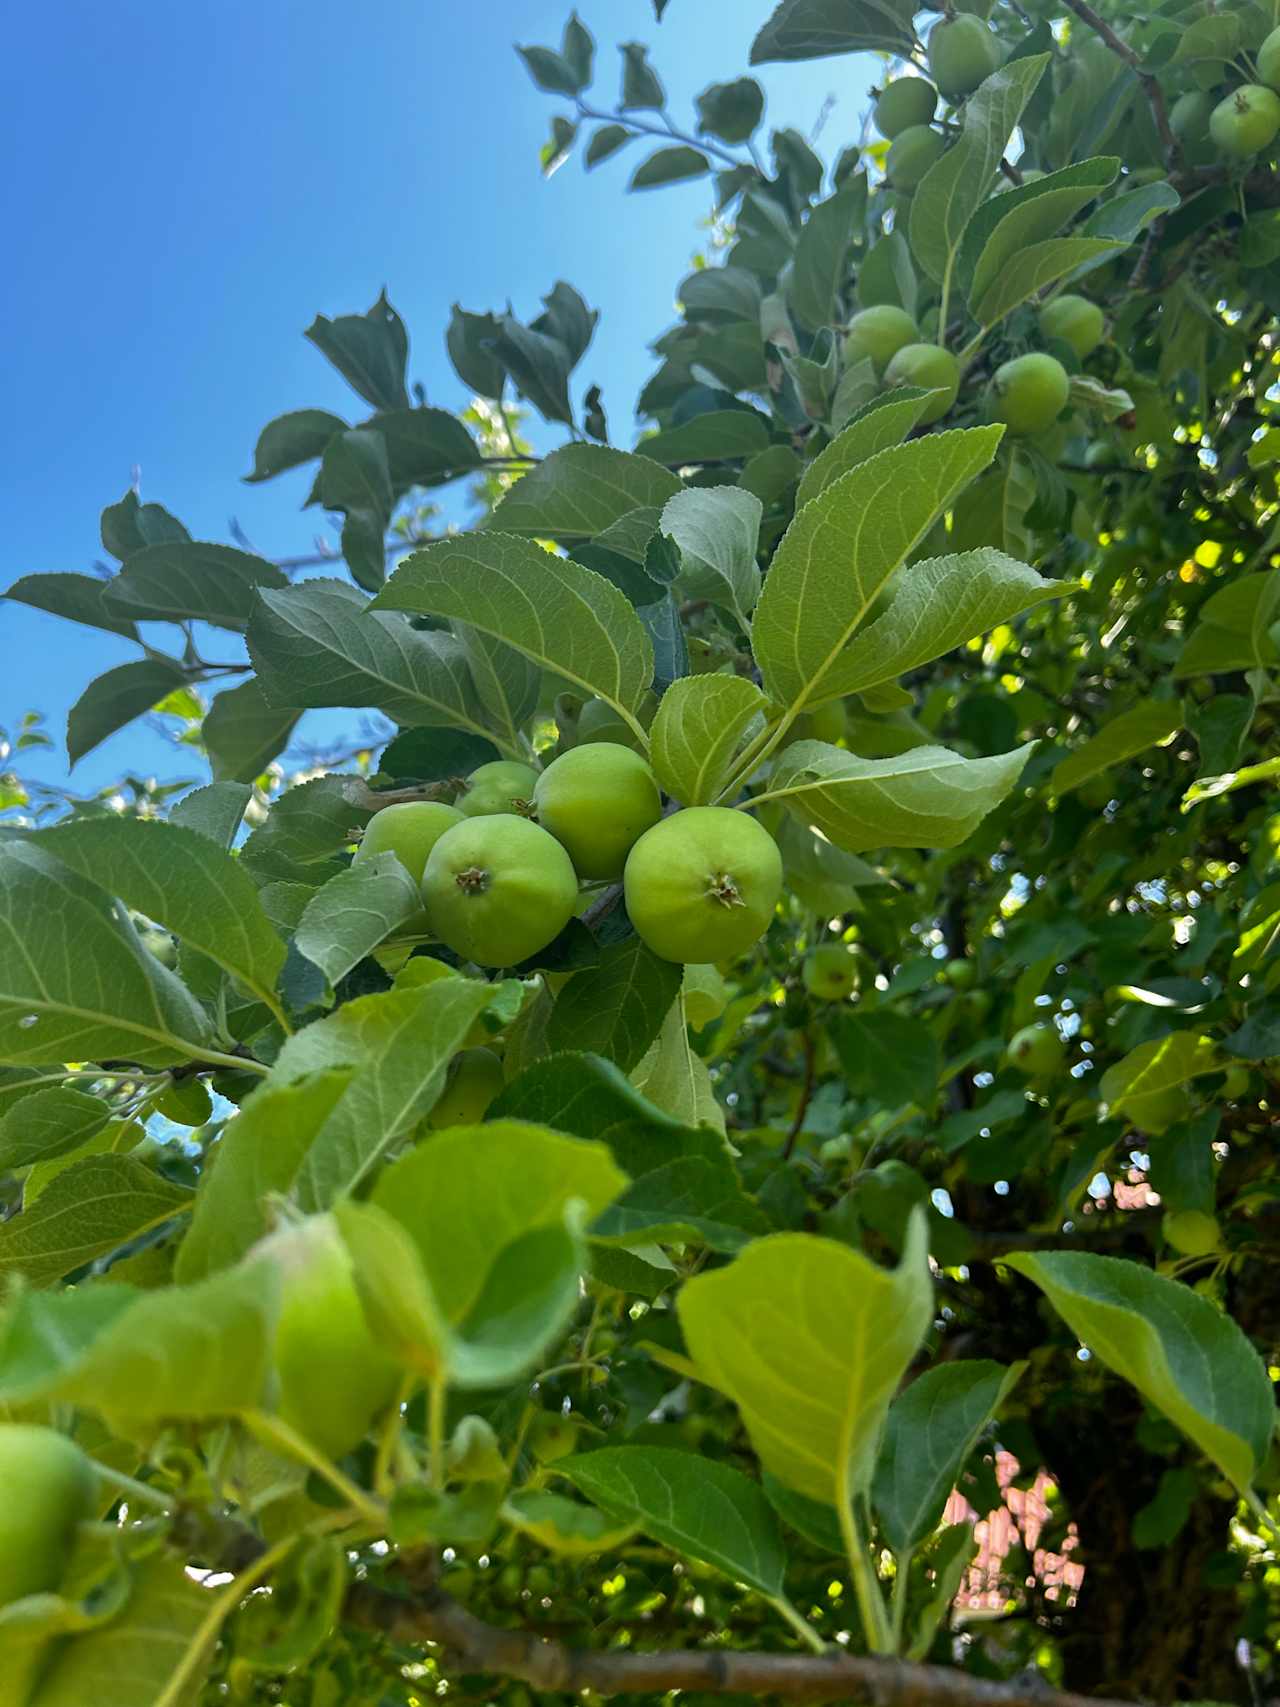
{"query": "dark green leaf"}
(116, 698)
(79, 598)
(213, 583)
(369, 350)
(669, 166)
(290, 440)
(242, 733)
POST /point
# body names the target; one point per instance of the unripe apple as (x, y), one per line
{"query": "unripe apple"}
(46, 1489)
(1030, 392)
(1076, 321)
(1189, 121)
(931, 368)
(830, 972)
(1036, 1050)
(961, 974)
(1247, 121)
(905, 102)
(879, 333)
(911, 153)
(962, 53)
(475, 1077)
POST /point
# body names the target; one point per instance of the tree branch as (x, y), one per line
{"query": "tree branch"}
(1154, 93)
(551, 1667)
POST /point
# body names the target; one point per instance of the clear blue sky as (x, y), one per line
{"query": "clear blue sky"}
(189, 186)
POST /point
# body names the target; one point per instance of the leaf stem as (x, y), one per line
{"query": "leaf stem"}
(437, 1395)
(799, 1623)
(871, 1607)
(898, 1603)
(273, 1432)
(138, 1492)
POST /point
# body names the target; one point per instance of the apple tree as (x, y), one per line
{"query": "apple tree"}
(765, 1048)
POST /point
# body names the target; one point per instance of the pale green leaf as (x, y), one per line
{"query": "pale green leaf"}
(938, 604)
(92, 1207)
(1137, 1088)
(924, 798)
(1036, 267)
(354, 911)
(884, 422)
(1210, 787)
(316, 646)
(717, 529)
(676, 1079)
(398, 1302)
(1007, 223)
(690, 1503)
(699, 727)
(259, 1154)
(567, 619)
(183, 881)
(842, 548)
(564, 1526)
(1185, 1356)
(49, 1123)
(1150, 723)
(810, 1340)
(579, 491)
(469, 1192)
(400, 1044)
(952, 190)
(75, 982)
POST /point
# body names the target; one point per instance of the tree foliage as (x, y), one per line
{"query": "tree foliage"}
(466, 1272)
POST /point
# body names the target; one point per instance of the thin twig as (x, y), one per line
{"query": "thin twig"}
(806, 1094)
(666, 131)
(1154, 93)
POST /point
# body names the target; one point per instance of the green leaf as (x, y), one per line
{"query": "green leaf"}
(400, 1044)
(564, 1526)
(315, 645)
(1137, 1088)
(817, 1522)
(700, 725)
(79, 598)
(116, 698)
(49, 1123)
(952, 189)
(617, 1008)
(354, 911)
(395, 1293)
(92, 1207)
(216, 810)
(425, 446)
(1183, 1355)
(1035, 268)
(821, 262)
(938, 604)
(1210, 787)
(470, 339)
(292, 439)
(578, 492)
(640, 85)
(369, 350)
(568, 620)
(260, 1154)
(1125, 215)
(75, 984)
(136, 1655)
(550, 71)
(717, 530)
(889, 1057)
(130, 525)
(672, 1076)
(884, 422)
(213, 583)
(306, 826)
(507, 683)
(698, 1507)
(669, 166)
(810, 1340)
(1150, 723)
(183, 881)
(1017, 218)
(355, 473)
(812, 29)
(841, 550)
(1235, 630)
(730, 111)
(924, 798)
(932, 1427)
(605, 141)
(242, 733)
(721, 435)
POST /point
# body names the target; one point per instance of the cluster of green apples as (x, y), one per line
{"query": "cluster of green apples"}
(502, 869)
(1238, 125)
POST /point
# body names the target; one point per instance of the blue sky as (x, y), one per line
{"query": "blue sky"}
(192, 185)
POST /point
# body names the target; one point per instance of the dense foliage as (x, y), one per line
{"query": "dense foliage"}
(777, 1040)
